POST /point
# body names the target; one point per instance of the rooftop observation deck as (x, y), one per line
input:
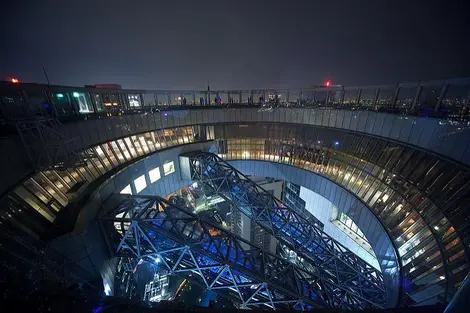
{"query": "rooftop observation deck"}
(446, 99)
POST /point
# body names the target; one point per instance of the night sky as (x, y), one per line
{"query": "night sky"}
(233, 44)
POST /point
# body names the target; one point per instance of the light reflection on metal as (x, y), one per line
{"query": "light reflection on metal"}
(363, 284)
(223, 262)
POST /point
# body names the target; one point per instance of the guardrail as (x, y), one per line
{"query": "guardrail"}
(440, 99)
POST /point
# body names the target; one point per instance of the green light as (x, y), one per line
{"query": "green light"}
(59, 96)
(76, 95)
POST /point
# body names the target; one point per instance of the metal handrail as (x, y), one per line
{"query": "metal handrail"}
(382, 98)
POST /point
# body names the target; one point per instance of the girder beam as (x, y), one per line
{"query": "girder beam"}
(146, 227)
(338, 266)
(48, 147)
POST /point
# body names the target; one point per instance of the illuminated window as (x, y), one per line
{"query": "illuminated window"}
(154, 175)
(99, 151)
(126, 191)
(83, 101)
(134, 100)
(348, 222)
(140, 183)
(169, 167)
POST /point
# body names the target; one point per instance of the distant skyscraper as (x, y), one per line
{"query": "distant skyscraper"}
(293, 200)
(292, 197)
(261, 238)
(157, 289)
(236, 221)
(245, 228)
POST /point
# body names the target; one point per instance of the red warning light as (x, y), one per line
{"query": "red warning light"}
(14, 80)
(327, 83)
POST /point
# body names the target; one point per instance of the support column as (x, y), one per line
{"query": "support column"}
(358, 98)
(376, 97)
(395, 96)
(441, 95)
(416, 99)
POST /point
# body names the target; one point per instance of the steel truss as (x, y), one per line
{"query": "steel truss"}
(48, 147)
(153, 229)
(337, 265)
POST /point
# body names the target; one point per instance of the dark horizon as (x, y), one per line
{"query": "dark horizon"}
(236, 45)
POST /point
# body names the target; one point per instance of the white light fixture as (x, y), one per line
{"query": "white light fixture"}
(154, 175)
(126, 190)
(140, 183)
(107, 289)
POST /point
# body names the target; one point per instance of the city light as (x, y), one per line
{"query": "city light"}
(59, 96)
(107, 289)
(327, 83)
(14, 80)
(75, 94)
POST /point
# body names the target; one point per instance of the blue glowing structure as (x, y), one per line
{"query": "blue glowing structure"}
(351, 283)
(150, 228)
